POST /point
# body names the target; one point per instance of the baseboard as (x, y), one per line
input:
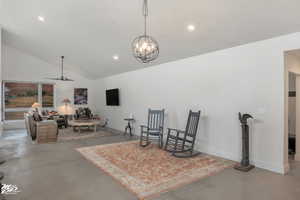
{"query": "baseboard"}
(286, 167)
(216, 152)
(274, 167)
(113, 130)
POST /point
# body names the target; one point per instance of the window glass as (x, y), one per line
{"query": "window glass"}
(20, 95)
(47, 95)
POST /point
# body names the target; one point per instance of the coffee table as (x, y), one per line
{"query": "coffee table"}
(84, 123)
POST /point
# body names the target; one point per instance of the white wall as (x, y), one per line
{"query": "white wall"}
(20, 66)
(248, 78)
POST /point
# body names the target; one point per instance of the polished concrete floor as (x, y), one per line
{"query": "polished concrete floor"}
(58, 172)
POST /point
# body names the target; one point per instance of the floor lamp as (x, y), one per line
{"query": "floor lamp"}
(66, 109)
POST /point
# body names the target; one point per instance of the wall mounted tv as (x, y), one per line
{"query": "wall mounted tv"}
(112, 97)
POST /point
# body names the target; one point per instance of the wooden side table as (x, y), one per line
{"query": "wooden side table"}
(129, 120)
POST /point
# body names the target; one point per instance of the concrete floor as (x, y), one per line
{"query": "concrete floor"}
(58, 172)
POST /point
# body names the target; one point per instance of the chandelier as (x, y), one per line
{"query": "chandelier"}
(145, 48)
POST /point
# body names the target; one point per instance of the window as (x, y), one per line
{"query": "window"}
(19, 97)
(47, 95)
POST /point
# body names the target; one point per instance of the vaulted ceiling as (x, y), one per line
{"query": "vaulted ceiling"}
(90, 32)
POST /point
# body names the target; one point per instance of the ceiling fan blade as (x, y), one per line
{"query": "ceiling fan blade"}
(53, 78)
(62, 77)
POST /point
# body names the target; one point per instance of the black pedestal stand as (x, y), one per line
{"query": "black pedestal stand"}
(66, 121)
(1, 175)
(245, 163)
(128, 126)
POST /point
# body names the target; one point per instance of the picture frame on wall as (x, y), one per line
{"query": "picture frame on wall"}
(80, 96)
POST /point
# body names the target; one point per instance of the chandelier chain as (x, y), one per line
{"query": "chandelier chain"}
(145, 48)
(62, 66)
(145, 8)
(145, 13)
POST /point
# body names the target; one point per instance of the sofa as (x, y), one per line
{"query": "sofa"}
(41, 131)
(83, 114)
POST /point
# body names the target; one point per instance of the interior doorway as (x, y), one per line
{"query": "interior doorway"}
(292, 115)
(292, 107)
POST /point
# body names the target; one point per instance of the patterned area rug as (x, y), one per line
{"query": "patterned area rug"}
(149, 171)
(70, 134)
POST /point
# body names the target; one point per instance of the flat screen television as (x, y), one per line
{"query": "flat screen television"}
(112, 97)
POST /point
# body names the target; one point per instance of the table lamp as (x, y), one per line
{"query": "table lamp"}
(37, 107)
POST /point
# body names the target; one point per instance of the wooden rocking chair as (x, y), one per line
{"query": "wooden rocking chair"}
(181, 143)
(154, 128)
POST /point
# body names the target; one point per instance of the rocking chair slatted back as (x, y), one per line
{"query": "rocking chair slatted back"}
(155, 119)
(192, 123)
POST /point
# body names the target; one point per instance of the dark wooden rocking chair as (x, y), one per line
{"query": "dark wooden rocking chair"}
(181, 143)
(154, 128)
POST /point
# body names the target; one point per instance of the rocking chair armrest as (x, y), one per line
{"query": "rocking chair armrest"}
(176, 130)
(144, 127)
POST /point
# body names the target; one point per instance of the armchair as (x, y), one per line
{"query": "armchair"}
(154, 128)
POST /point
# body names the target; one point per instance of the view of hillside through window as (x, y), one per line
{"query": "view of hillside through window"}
(19, 97)
(47, 95)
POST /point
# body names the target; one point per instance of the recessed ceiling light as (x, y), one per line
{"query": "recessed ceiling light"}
(116, 57)
(191, 28)
(41, 18)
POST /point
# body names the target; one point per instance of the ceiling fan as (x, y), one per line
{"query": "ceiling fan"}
(62, 77)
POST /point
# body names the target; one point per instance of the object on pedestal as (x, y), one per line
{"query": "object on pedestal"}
(129, 120)
(245, 163)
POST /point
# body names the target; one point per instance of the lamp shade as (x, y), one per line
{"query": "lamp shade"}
(36, 105)
(66, 109)
(66, 101)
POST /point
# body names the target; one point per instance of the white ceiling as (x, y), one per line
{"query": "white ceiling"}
(90, 32)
